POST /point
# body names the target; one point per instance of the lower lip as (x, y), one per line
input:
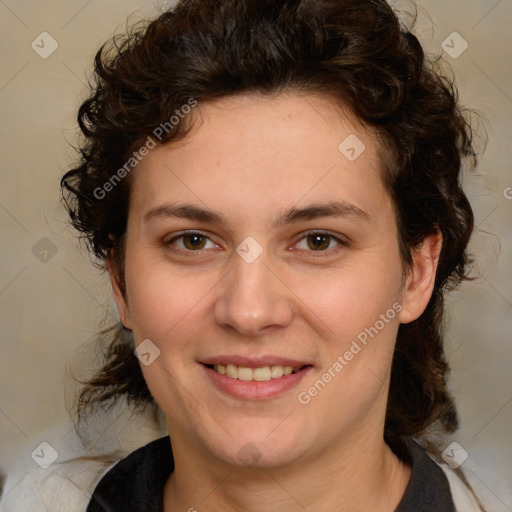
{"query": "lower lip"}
(255, 390)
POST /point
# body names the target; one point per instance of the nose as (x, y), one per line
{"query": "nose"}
(253, 300)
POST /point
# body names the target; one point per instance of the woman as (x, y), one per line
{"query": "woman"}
(274, 189)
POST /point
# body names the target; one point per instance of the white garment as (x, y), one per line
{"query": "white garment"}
(462, 497)
(68, 486)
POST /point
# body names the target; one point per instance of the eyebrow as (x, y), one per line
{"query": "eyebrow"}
(293, 215)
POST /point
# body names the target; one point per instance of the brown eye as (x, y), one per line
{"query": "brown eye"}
(320, 242)
(194, 241)
(190, 242)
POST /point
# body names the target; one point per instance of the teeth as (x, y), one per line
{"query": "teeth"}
(244, 373)
(276, 371)
(231, 371)
(264, 373)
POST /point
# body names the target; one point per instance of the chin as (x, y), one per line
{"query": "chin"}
(258, 446)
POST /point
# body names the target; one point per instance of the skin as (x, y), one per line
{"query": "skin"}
(250, 158)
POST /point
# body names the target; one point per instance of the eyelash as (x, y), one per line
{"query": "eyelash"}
(319, 253)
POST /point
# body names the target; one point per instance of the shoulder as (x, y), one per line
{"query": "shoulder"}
(478, 497)
(434, 484)
(462, 497)
(67, 484)
(63, 487)
(137, 481)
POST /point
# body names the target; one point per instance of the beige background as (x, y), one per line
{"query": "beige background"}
(48, 309)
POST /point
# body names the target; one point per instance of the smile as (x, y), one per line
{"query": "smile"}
(255, 380)
(260, 374)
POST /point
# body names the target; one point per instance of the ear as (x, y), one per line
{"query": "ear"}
(117, 292)
(421, 278)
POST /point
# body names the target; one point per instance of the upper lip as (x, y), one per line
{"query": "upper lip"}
(255, 361)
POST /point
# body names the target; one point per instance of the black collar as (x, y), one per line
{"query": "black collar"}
(136, 483)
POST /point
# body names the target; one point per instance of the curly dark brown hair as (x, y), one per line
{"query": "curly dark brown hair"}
(356, 52)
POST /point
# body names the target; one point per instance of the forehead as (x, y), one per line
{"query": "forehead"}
(265, 152)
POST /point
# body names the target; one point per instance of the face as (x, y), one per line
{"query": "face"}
(258, 246)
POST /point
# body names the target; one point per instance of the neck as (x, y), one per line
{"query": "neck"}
(361, 473)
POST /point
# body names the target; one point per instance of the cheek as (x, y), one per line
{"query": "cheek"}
(161, 301)
(168, 308)
(358, 302)
(352, 296)
(359, 305)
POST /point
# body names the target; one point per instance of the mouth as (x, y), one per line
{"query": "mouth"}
(259, 374)
(257, 378)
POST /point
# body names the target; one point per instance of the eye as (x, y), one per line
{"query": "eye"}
(319, 241)
(191, 241)
(313, 241)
